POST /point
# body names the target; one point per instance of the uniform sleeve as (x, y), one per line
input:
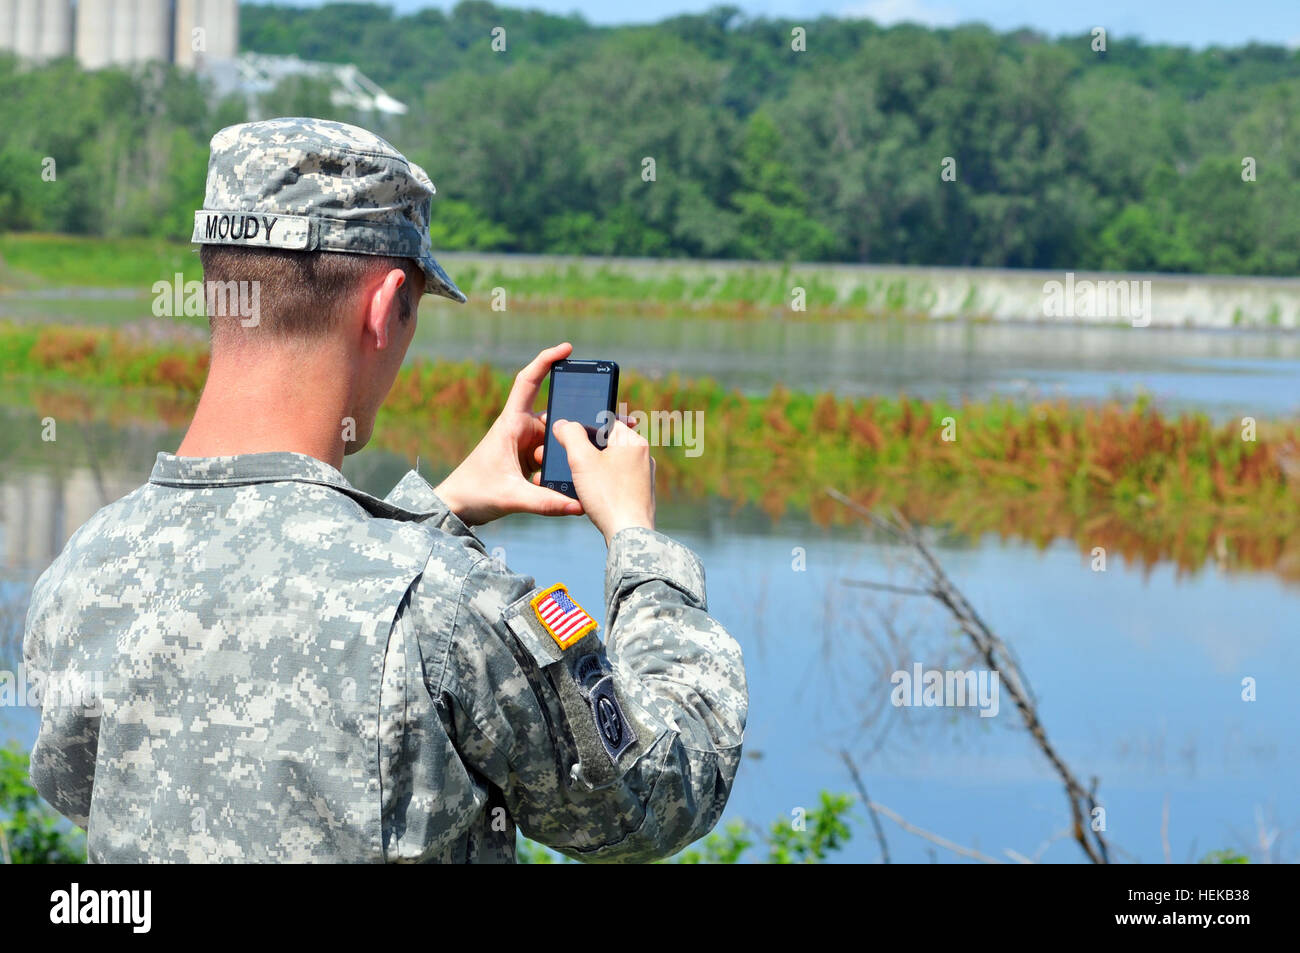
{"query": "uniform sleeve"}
(414, 493)
(622, 751)
(63, 760)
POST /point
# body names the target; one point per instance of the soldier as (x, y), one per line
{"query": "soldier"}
(293, 670)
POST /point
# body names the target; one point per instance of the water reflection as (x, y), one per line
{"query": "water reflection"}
(1225, 373)
(1138, 674)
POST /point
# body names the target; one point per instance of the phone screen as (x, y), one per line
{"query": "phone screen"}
(583, 391)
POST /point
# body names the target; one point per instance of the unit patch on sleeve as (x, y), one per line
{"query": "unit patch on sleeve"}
(614, 730)
(563, 618)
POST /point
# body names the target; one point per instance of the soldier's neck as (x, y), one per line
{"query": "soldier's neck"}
(270, 402)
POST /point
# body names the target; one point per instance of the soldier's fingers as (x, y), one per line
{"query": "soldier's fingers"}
(621, 435)
(529, 380)
(573, 438)
(527, 439)
(546, 502)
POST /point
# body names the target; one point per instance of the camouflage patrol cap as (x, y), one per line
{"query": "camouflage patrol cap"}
(317, 185)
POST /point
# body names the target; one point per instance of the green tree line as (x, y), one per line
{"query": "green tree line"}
(1062, 156)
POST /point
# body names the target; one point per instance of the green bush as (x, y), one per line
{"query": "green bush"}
(30, 832)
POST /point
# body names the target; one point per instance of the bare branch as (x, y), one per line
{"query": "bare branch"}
(887, 587)
(866, 799)
(932, 837)
(998, 657)
(1164, 831)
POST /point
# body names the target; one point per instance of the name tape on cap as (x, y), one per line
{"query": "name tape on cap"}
(251, 228)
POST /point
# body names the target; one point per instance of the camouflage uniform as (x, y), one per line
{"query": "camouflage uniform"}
(283, 668)
(293, 670)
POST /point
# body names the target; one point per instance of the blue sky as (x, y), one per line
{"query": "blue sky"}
(1185, 22)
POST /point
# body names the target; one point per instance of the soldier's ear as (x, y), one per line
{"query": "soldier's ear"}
(384, 307)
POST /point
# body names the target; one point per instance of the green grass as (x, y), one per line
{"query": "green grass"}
(66, 261)
(34, 262)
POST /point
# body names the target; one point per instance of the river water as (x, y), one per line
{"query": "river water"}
(1138, 673)
(1222, 373)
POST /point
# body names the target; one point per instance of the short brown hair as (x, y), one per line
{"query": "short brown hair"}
(299, 291)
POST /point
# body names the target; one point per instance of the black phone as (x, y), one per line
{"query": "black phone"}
(584, 391)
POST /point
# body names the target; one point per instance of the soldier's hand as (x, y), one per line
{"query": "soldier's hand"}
(616, 485)
(496, 478)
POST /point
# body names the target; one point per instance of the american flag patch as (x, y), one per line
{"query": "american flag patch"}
(561, 616)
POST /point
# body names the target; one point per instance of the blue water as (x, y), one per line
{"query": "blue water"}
(1137, 673)
(1222, 373)
(1138, 677)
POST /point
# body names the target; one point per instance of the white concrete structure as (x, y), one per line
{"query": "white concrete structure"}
(121, 28)
(206, 30)
(27, 18)
(152, 31)
(252, 75)
(118, 32)
(36, 29)
(8, 18)
(55, 30)
(94, 37)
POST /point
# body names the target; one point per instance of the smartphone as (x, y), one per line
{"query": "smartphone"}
(584, 391)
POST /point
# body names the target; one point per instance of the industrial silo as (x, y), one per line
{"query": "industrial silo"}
(218, 21)
(94, 38)
(27, 18)
(121, 29)
(152, 31)
(8, 18)
(187, 14)
(55, 37)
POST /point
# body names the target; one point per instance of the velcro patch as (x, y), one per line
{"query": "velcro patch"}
(564, 619)
(260, 229)
(615, 730)
(588, 670)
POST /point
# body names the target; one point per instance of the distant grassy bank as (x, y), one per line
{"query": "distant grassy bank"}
(1126, 478)
(35, 263)
(38, 262)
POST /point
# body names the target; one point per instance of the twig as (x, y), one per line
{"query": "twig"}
(999, 658)
(1267, 838)
(866, 799)
(875, 807)
(1042, 848)
(933, 837)
(886, 587)
(1164, 831)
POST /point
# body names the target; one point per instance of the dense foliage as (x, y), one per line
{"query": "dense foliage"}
(1065, 157)
(30, 831)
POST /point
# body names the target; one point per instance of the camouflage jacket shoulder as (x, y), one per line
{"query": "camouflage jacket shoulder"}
(284, 668)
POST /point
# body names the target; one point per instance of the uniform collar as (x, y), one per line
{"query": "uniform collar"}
(244, 468)
(411, 499)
